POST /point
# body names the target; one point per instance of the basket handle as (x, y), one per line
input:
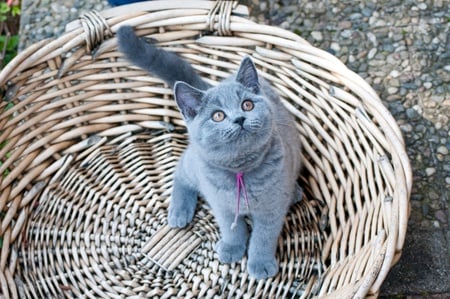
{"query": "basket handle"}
(97, 26)
(222, 9)
(96, 29)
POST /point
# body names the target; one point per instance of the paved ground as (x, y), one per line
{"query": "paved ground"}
(402, 48)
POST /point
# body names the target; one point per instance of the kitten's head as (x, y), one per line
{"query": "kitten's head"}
(229, 119)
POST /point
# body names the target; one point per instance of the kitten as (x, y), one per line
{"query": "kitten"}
(243, 144)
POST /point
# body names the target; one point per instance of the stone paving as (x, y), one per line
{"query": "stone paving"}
(402, 48)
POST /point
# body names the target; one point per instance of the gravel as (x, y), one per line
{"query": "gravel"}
(401, 48)
(47, 18)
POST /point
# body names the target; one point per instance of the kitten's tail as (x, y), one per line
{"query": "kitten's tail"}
(165, 64)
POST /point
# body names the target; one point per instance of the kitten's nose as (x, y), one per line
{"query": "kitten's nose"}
(239, 120)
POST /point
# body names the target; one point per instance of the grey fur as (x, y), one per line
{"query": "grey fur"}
(262, 143)
(166, 65)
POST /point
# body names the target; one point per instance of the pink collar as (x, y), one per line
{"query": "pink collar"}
(239, 184)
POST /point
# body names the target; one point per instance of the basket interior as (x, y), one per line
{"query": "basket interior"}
(89, 144)
(108, 212)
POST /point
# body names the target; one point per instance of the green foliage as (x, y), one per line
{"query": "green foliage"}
(8, 41)
(298, 31)
(2, 145)
(8, 44)
(8, 106)
(7, 156)
(2, 215)
(15, 10)
(4, 10)
(6, 172)
(8, 49)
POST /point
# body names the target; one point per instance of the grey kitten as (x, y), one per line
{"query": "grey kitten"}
(243, 156)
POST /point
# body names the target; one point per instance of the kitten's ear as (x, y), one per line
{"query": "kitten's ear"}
(247, 75)
(188, 99)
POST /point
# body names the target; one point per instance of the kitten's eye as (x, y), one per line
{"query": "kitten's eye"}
(218, 116)
(247, 105)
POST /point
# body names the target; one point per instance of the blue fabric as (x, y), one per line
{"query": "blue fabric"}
(122, 2)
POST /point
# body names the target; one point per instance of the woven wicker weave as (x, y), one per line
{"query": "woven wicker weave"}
(88, 145)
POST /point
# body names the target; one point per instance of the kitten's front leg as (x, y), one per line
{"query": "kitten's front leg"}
(183, 202)
(263, 244)
(233, 242)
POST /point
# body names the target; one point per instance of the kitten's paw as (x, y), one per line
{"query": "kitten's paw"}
(262, 268)
(230, 253)
(179, 217)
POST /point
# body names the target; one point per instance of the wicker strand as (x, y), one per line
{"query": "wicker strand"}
(96, 29)
(222, 9)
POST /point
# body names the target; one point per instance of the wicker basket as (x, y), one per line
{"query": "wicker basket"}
(88, 145)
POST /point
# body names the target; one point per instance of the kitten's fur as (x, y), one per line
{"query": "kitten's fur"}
(262, 143)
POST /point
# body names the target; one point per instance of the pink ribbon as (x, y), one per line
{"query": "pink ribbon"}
(239, 185)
